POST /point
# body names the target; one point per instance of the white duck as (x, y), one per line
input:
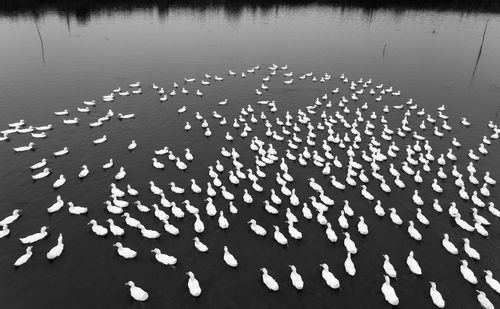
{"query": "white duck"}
(229, 258)
(279, 237)
(199, 245)
(388, 267)
(56, 250)
(164, 258)
(436, 296)
(413, 264)
(349, 265)
(492, 282)
(35, 237)
(115, 229)
(471, 252)
(467, 272)
(329, 277)
(124, 251)
(269, 281)
(98, 229)
(484, 301)
(349, 244)
(136, 292)
(296, 278)
(193, 285)
(76, 210)
(257, 229)
(59, 182)
(414, 233)
(389, 293)
(24, 258)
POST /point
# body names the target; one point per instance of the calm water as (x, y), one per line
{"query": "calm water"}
(430, 56)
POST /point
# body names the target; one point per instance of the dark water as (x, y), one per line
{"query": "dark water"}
(429, 55)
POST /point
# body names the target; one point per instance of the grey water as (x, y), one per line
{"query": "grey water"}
(429, 54)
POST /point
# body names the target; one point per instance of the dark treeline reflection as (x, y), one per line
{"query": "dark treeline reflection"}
(83, 9)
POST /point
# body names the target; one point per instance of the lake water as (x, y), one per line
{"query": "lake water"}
(429, 55)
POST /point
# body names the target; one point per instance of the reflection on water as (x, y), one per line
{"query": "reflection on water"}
(83, 9)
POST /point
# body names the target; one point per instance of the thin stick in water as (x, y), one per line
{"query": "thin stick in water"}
(41, 41)
(479, 53)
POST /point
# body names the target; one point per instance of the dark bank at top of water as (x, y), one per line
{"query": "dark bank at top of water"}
(82, 9)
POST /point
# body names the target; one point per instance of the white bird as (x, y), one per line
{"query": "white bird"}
(223, 223)
(417, 199)
(389, 292)
(396, 219)
(38, 165)
(329, 277)
(175, 188)
(257, 229)
(269, 281)
(296, 278)
(188, 155)
(61, 152)
(199, 245)
(362, 227)
(130, 221)
(136, 292)
(108, 165)
(84, 172)
(4, 231)
(24, 258)
(121, 174)
(100, 140)
(180, 165)
(229, 258)
(296, 234)
(349, 265)
(436, 296)
(132, 191)
(57, 249)
(349, 244)
(413, 264)
(59, 182)
(492, 282)
(199, 227)
(388, 267)
(484, 301)
(414, 233)
(467, 273)
(115, 229)
(11, 218)
(35, 237)
(56, 206)
(98, 229)
(124, 251)
(420, 216)
(132, 145)
(279, 237)
(471, 252)
(164, 258)
(42, 174)
(25, 148)
(148, 233)
(193, 285)
(448, 245)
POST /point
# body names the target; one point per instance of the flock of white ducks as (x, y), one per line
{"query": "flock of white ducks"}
(347, 126)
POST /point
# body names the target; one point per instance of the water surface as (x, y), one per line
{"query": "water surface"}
(429, 55)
